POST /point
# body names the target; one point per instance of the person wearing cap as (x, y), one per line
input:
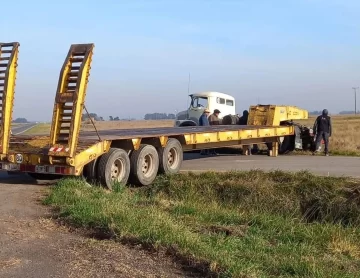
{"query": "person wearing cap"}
(214, 118)
(204, 121)
(323, 130)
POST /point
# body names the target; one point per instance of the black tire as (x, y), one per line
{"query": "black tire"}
(144, 174)
(90, 171)
(170, 157)
(288, 144)
(230, 120)
(114, 157)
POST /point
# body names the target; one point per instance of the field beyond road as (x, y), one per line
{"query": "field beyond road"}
(243, 224)
(344, 141)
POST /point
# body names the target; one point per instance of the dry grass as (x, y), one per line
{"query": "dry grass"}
(127, 124)
(9, 263)
(344, 140)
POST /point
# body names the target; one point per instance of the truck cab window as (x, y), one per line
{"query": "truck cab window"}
(229, 102)
(197, 102)
(220, 100)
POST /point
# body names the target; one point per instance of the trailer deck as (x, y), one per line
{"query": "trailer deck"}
(192, 136)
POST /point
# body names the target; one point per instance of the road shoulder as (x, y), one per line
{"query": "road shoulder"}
(34, 245)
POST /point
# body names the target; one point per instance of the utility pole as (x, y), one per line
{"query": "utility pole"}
(354, 88)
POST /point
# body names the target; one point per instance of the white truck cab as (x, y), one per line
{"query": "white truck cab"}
(205, 100)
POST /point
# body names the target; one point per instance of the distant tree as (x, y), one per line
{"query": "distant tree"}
(348, 112)
(92, 115)
(20, 120)
(159, 116)
(111, 118)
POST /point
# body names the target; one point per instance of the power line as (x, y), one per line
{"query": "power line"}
(354, 88)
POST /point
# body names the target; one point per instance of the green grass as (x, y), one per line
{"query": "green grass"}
(38, 129)
(244, 224)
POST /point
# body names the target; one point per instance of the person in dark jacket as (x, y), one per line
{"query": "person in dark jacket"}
(323, 130)
(244, 118)
(204, 121)
(243, 121)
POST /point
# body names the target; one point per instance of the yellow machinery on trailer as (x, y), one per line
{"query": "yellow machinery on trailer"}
(137, 155)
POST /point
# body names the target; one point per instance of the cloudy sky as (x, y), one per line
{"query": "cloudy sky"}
(303, 53)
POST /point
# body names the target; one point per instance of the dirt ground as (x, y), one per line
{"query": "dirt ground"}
(34, 245)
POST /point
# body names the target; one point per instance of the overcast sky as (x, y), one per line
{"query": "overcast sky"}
(304, 53)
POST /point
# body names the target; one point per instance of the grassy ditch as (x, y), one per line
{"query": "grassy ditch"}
(243, 224)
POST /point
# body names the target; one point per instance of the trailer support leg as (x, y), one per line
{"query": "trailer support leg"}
(274, 149)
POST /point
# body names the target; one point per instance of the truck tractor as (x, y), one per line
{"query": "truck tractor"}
(302, 139)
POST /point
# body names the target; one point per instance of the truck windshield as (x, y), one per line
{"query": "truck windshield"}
(199, 102)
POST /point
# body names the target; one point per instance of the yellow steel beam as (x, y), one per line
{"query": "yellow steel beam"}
(8, 70)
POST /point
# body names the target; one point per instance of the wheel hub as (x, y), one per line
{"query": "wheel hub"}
(147, 165)
(117, 172)
(172, 156)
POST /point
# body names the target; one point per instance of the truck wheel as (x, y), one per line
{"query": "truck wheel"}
(144, 165)
(170, 157)
(90, 171)
(114, 166)
(287, 145)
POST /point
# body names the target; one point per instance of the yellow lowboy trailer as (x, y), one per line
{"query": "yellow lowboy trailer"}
(136, 155)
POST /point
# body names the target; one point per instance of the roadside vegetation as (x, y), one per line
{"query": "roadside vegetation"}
(234, 224)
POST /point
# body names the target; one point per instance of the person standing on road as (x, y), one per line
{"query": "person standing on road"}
(243, 121)
(204, 121)
(323, 130)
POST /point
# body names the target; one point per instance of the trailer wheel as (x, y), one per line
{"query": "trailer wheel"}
(90, 171)
(144, 165)
(170, 157)
(114, 166)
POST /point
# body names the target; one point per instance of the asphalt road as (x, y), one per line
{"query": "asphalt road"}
(321, 165)
(18, 129)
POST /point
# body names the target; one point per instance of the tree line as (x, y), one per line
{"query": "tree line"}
(159, 116)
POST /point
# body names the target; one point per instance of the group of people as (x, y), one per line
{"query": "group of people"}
(322, 129)
(206, 120)
(209, 120)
